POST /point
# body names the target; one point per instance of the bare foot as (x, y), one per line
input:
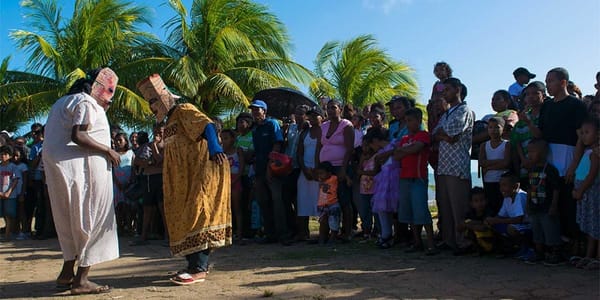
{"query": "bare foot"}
(90, 288)
(64, 281)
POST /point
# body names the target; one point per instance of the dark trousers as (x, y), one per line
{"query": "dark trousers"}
(198, 262)
(493, 196)
(247, 194)
(274, 207)
(567, 208)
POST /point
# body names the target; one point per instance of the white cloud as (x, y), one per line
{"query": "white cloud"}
(384, 5)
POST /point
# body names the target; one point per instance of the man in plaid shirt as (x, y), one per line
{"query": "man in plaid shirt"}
(454, 166)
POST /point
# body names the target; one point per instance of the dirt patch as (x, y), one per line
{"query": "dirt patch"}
(355, 270)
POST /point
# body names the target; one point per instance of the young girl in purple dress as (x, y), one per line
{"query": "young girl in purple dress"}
(386, 184)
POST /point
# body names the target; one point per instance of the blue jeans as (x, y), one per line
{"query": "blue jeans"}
(386, 219)
(198, 262)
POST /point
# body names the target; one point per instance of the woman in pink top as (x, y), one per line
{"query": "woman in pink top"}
(337, 144)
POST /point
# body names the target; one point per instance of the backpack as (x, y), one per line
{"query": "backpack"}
(479, 126)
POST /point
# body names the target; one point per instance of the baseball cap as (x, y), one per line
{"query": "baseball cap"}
(315, 110)
(9, 134)
(259, 104)
(523, 71)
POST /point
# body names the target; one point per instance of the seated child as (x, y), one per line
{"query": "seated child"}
(511, 224)
(328, 206)
(480, 235)
(542, 204)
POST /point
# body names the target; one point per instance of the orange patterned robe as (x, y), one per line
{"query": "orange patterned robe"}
(196, 189)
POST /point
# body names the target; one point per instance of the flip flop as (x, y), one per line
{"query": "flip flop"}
(101, 289)
(574, 260)
(594, 264)
(186, 279)
(583, 262)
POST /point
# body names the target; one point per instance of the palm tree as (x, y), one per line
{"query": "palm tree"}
(360, 73)
(227, 50)
(99, 33)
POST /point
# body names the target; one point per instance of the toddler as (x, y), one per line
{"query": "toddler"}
(328, 206)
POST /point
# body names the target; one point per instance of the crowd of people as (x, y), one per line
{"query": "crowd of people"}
(363, 172)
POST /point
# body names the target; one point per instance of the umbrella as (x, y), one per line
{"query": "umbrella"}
(282, 101)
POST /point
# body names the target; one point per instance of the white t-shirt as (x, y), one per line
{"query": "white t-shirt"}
(513, 209)
(494, 154)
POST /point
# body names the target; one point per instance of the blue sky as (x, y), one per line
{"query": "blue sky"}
(483, 41)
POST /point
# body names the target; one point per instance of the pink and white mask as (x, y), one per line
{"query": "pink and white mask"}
(103, 88)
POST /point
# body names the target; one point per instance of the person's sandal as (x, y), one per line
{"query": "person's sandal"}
(574, 260)
(431, 251)
(386, 243)
(593, 265)
(413, 248)
(582, 263)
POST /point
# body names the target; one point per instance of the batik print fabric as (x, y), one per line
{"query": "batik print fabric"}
(196, 189)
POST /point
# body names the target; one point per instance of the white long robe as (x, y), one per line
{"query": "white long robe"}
(80, 182)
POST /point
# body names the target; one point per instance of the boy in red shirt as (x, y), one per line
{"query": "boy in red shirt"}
(413, 152)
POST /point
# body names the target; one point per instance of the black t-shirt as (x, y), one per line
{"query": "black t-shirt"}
(560, 120)
(543, 180)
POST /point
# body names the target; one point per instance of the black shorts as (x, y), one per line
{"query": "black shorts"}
(153, 192)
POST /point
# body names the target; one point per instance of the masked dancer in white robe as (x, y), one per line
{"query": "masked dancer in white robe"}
(78, 163)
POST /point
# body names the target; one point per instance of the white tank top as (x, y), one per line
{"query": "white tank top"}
(494, 154)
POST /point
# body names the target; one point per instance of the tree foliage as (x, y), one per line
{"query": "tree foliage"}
(99, 33)
(225, 51)
(359, 72)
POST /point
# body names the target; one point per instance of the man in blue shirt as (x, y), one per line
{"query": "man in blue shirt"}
(267, 137)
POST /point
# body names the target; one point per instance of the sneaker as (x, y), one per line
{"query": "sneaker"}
(523, 252)
(534, 258)
(553, 260)
(21, 236)
(386, 243)
(431, 251)
(530, 253)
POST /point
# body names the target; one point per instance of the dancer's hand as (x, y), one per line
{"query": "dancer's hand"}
(220, 158)
(114, 157)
